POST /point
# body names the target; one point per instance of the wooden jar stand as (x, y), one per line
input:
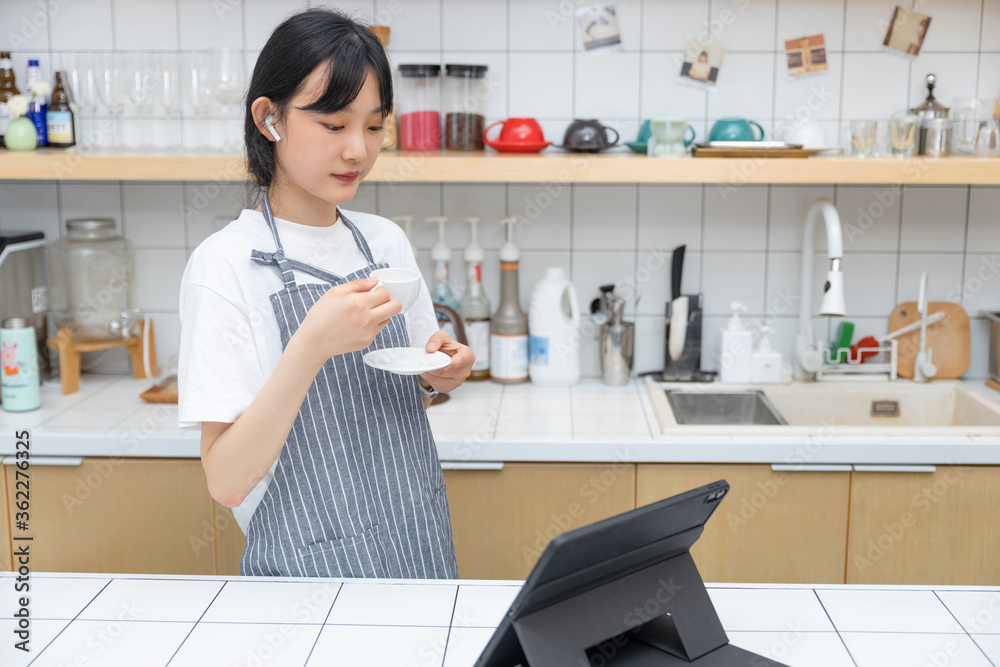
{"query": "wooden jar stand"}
(70, 351)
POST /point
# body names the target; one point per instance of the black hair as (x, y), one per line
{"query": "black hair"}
(303, 42)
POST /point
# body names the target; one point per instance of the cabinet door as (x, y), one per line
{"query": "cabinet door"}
(231, 541)
(933, 528)
(120, 515)
(502, 520)
(781, 527)
(6, 563)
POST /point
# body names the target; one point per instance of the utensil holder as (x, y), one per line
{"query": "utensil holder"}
(617, 348)
(70, 351)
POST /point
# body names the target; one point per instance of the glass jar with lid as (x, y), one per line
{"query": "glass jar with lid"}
(91, 278)
(419, 107)
(465, 100)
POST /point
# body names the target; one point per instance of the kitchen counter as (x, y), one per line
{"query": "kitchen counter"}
(112, 619)
(487, 423)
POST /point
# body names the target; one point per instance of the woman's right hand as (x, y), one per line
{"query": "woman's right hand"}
(347, 318)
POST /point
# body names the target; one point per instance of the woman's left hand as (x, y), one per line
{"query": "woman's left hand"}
(447, 378)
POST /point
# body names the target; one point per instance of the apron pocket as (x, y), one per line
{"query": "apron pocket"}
(358, 556)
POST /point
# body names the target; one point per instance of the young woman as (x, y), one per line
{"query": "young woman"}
(329, 465)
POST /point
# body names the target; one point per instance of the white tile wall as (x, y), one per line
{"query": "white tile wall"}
(744, 246)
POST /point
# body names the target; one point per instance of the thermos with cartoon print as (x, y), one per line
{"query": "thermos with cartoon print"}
(19, 384)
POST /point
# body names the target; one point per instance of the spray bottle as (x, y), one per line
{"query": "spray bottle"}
(476, 306)
(509, 326)
(442, 291)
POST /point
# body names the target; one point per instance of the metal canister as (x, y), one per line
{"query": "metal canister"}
(617, 346)
(930, 111)
(935, 137)
(20, 387)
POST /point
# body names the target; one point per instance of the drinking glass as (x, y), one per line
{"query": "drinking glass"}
(863, 138)
(988, 139)
(139, 77)
(967, 113)
(903, 135)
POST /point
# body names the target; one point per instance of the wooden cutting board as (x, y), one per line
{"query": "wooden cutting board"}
(948, 339)
(164, 392)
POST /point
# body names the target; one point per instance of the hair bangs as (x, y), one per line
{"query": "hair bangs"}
(346, 71)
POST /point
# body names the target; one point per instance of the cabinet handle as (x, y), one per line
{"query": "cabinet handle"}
(899, 468)
(793, 467)
(45, 460)
(471, 465)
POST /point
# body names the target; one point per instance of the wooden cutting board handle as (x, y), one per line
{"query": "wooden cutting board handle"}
(948, 339)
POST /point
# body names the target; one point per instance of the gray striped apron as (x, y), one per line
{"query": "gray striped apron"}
(357, 489)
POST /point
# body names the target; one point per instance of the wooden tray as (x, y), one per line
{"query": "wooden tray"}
(948, 339)
(164, 392)
(751, 152)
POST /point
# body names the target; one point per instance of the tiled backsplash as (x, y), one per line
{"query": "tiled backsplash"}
(742, 244)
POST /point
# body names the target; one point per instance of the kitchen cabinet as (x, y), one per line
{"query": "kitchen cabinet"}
(151, 516)
(550, 167)
(230, 540)
(502, 519)
(774, 526)
(940, 526)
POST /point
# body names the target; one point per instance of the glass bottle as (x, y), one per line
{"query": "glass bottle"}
(59, 119)
(8, 89)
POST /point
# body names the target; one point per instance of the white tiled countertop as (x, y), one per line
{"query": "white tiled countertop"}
(486, 423)
(109, 619)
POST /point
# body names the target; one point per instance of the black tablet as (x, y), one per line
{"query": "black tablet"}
(574, 597)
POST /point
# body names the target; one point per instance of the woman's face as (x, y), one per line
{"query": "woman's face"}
(328, 155)
(703, 58)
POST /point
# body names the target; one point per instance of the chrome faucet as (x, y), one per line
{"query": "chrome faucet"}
(808, 358)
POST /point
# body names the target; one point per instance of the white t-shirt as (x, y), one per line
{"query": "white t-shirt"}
(230, 343)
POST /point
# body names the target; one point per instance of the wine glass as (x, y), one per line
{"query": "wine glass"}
(109, 94)
(196, 98)
(168, 98)
(227, 88)
(139, 90)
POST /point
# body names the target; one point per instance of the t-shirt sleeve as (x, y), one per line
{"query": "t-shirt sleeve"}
(218, 372)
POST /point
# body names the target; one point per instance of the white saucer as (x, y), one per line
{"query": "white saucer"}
(406, 360)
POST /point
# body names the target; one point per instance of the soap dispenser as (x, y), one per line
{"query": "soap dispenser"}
(765, 366)
(737, 349)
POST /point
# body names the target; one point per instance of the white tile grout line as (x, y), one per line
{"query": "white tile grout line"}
(836, 629)
(967, 634)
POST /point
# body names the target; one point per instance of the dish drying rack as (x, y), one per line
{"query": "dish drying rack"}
(880, 366)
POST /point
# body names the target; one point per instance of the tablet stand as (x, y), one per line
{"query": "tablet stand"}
(659, 616)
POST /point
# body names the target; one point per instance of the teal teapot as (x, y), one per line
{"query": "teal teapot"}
(735, 129)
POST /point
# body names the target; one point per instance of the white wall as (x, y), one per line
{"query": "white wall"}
(742, 243)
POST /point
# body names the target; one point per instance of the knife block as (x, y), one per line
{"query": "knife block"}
(687, 367)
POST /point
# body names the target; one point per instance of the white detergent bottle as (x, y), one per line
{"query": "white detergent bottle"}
(553, 328)
(737, 349)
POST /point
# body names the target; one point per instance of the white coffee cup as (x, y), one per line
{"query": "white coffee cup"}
(401, 284)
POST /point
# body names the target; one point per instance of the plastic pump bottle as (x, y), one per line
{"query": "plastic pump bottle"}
(476, 306)
(765, 366)
(406, 221)
(509, 325)
(737, 349)
(441, 256)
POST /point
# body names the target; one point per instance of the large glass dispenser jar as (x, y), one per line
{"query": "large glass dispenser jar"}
(91, 276)
(465, 102)
(419, 107)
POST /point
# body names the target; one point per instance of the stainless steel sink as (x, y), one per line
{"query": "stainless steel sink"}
(723, 408)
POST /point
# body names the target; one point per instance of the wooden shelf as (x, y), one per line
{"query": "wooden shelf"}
(549, 167)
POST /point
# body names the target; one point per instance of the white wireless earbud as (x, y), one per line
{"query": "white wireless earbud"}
(269, 123)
